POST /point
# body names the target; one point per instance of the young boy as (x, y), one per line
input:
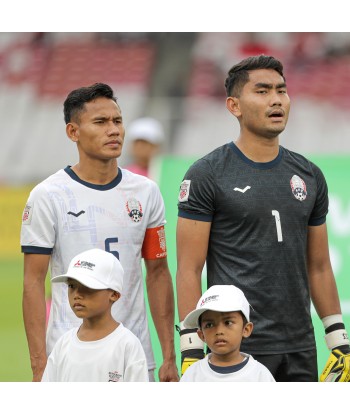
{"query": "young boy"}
(101, 349)
(222, 319)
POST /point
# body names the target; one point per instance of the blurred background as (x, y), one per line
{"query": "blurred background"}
(177, 78)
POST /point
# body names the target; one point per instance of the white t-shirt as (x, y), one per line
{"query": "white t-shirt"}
(118, 357)
(250, 370)
(65, 216)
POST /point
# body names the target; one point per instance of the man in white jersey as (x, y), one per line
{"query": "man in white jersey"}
(96, 204)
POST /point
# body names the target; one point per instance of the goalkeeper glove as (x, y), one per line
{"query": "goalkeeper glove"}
(337, 368)
(191, 346)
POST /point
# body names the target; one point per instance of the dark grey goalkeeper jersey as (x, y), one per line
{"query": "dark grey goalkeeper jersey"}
(260, 213)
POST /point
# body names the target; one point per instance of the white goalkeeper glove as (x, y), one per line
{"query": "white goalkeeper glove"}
(337, 368)
(191, 346)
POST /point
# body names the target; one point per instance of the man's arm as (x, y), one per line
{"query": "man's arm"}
(325, 297)
(192, 239)
(34, 310)
(161, 301)
(324, 293)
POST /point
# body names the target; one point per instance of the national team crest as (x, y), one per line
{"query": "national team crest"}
(184, 190)
(298, 188)
(134, 209)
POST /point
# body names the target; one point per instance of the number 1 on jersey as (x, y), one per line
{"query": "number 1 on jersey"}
(276, 214)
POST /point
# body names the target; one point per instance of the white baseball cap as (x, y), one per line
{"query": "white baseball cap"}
(96, 269)
(146, 128)
(222, 298)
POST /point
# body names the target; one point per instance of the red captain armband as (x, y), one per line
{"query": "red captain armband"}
(154, 245)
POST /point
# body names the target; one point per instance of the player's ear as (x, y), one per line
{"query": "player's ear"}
(115, 296)
(72, 131)
(247, 329)
(232, 104)
(200, 334)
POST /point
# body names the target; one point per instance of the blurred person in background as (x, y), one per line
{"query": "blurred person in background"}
(145, 136)
(256, 213)
(96, 204)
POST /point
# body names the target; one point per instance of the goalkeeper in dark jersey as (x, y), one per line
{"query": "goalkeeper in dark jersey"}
(256, 213)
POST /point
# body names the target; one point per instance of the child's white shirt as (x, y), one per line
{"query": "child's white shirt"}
(250, 370)
(118, 357)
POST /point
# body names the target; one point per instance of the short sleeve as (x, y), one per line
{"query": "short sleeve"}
(196, 198)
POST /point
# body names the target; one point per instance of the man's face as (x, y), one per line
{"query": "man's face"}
(99, 130)
(263, 105)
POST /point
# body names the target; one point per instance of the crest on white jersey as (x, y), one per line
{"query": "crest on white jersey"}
(184, 190)
(27, 215)
(298, 188)
(134, 209)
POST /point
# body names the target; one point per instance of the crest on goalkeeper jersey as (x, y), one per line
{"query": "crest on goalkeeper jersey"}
(27, 214)
(134, 209)
(298, 188)
(184, 190)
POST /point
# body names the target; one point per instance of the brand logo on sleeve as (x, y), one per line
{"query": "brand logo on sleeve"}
(184, 190)
(27, 214)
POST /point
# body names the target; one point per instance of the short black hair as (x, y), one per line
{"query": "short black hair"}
(77, 99)
(238, 75)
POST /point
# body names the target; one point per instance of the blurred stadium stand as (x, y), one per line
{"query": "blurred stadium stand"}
(175, 77)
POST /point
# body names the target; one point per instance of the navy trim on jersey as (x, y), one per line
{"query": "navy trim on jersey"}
(102, 187)
(256, 165)
(228, 369)
(26, 249)
(201, 218)
(317, 222)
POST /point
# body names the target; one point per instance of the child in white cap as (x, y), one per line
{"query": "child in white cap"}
(101, 349)
(222, 319)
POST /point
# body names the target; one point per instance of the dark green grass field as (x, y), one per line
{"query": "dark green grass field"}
(14, 357)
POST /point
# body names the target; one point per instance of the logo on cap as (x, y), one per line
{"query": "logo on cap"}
(84, 264)
(209, 299)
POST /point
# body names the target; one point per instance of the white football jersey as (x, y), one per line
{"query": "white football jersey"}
(118, 357)
(250, 370)
(65, 216)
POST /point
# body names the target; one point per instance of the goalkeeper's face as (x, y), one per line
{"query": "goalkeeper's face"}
(99, 131)
(223, 333)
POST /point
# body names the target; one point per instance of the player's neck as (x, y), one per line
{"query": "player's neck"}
(260, 150)
(228, 359)
(96, 171)
(96, 329)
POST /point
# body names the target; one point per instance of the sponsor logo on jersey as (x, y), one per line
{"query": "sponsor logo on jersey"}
(84, 264)
(76, 214)
(238, 189)
(134, 210)
(27, 215)
(298, 188)
(208, 300)
(184, 190)
(114, 376)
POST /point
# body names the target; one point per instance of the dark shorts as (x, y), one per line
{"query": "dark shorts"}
(291, 367)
